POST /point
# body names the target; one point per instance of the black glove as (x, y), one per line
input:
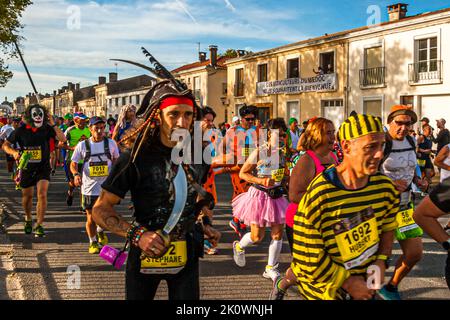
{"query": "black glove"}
(447, 270)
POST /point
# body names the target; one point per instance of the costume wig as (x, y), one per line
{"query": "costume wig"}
(32, 112)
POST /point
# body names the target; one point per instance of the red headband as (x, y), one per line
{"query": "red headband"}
(170, 101)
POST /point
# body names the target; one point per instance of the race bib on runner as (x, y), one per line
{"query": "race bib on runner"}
(357, 238)
(98, 169)
(405, 220)
(247, 151)
(421, 163)
(278, 175)
(36, 154)
(172, 262)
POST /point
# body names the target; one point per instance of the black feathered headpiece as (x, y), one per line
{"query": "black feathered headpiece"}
(166, 86)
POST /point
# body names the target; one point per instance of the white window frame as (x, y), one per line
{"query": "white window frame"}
(375, 98)
(436, 34)
(374, 45)
(288, 111)
(199, 83)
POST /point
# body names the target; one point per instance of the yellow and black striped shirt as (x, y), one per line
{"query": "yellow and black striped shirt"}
(324, 253)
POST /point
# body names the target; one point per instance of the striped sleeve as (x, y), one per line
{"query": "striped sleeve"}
(319, 277)
(389, 218)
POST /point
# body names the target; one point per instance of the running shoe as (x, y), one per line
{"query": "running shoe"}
(39, 231)
(236, 226)
(211, 251)
(271, 272)
(238, 254)
(208, 248)
(389, 295)
(102, 238)
(277, 293)
(69, 199)
(94, 248)
(28, 227)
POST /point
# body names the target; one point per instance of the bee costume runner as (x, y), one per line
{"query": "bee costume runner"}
(346, 220)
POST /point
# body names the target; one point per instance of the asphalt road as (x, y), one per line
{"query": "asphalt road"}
(47, 268)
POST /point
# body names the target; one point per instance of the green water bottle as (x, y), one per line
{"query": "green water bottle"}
(407, 227)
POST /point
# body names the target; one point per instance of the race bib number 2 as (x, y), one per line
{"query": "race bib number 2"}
(172, 262)
(36, 154)
(357, 238)
(247, 151)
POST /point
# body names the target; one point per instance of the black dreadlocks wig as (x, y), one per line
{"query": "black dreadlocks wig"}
(28, 116)
(148, 124)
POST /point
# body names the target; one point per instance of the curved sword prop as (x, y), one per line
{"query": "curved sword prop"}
(180, 186)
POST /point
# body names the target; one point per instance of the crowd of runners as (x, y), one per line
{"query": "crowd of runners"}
(341, 196)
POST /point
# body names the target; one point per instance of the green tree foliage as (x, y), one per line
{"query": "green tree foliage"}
(10, 14)
(230, 53)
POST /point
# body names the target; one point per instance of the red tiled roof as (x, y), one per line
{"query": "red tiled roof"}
(220, 64)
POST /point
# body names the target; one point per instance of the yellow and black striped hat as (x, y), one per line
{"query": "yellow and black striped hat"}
(358, 125)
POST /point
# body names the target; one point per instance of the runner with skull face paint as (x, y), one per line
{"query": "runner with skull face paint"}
(34, 138)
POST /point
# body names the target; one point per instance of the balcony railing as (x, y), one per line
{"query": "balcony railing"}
(197, 94)
(372, 77)
(239, 89)
(425, 72)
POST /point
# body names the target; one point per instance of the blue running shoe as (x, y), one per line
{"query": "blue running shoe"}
(389, 295)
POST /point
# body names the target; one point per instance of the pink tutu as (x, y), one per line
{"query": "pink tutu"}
(256, 207)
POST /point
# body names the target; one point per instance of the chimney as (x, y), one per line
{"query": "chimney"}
(70, 85)
(101, 80)
(54, 92)
(397, 11)
(113, 77)
(202, 56)
(213, 55)
(77, 86)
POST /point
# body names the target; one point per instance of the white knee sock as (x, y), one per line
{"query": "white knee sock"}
(274, 252)
(93, 239)
(99, 229)
(246, 241)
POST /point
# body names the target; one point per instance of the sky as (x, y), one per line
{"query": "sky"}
(72, 41)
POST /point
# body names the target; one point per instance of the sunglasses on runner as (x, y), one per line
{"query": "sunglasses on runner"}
(249, 119)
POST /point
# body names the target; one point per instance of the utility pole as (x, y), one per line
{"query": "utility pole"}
(26, 69)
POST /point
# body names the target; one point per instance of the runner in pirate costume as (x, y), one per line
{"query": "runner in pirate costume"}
(165, 196)
(33, 139)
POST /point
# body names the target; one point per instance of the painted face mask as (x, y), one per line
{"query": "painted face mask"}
(37, 115)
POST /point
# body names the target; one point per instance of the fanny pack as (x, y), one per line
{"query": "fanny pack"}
(274, 193)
